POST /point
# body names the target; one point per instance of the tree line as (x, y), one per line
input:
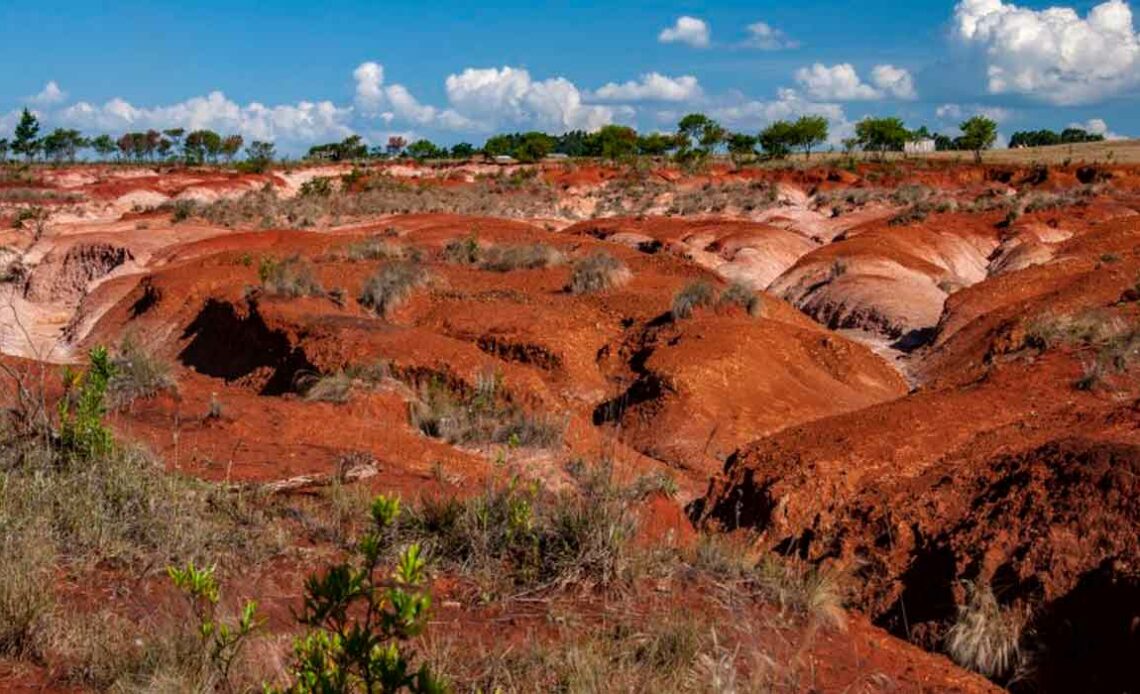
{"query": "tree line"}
(176, 144)
(695, 138)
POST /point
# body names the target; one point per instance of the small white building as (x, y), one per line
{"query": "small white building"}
(924, 146)
(503, 159)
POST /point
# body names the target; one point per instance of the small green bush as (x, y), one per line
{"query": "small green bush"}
(360, 618)
(319, 187)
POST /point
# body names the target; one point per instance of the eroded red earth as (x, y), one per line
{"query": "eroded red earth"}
(908, 401)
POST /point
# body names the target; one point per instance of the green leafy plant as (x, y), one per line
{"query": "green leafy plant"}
(221, 642)
(81, 429)
(359, 619)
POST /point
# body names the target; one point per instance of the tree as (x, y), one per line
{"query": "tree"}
(698, 136)
(260, 155)
(353, 147)
(778, 139)
(578, 143)
(656, 144)
(27, 130)
(978, 133)
(463, 150)
(104, 146)
(231, 146)
(498, 146)
(809, 132)
(4, 146)
(881, 135)
(534, 146)
(175, 135)
(1034, 138)
(201, 145)
(1073, 135)
(62, 145)
(424, 149)
(616, 142)
(742, 146)
(396, 145)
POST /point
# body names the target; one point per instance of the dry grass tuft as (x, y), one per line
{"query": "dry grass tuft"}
(986, 636)
(597, 272)
(391, 285)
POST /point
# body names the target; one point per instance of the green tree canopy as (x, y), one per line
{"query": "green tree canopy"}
(808, 133)
(27, 130)
(778, 138)
(616, 141)
(425, 149)
(463, 150)
(978, 133)
(881, 134)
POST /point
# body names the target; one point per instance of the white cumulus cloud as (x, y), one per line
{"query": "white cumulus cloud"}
(50, 95)
(493, 97)
(369, 79)
(958, 112)
(766, 37)
(1053, 55)
(689, 30)
(1097, 126)
(894, 81)
(841, 82)
(838, 82)
(652, 87)
(303, 122)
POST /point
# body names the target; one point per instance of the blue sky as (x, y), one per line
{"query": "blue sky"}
(289, 70)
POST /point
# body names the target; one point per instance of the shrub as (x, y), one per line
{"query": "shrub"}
(462, 251)
(391, 286)
(336, 387)
(319, 187)
(693, 295)
(806, 590)
(360, 619)
(333, 387)
(221, 642)
(374, 248)
(1114, 343)
(915, 213)
(26, 568)
(597, 272)
(526, 257)
(518, 536)
(743, 296)
(985, 637)
(137, 374)
(183, 210)
(291, 277)
(481, 416)
(82, 433)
